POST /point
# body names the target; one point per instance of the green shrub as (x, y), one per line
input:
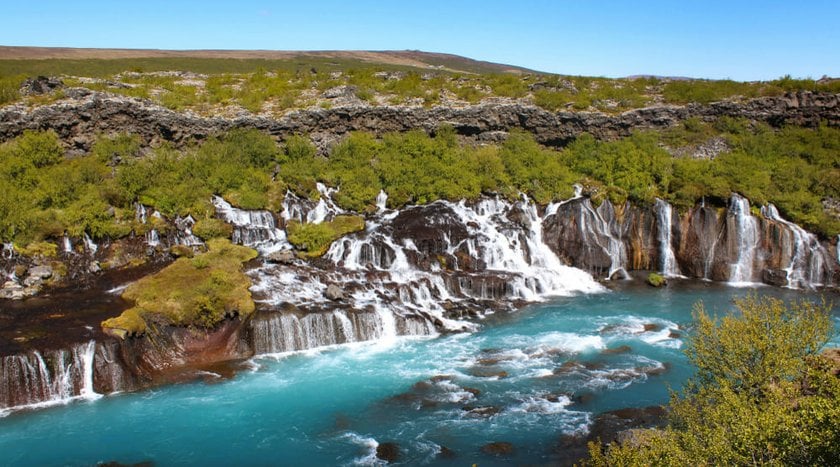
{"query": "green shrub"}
(313, 240)
(761, 395)
(208, 228)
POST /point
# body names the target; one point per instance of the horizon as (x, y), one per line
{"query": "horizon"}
(749, 41)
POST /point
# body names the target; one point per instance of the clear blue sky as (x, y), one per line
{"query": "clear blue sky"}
(742, 40)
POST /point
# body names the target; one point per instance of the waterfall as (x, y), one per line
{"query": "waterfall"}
(807, 258)
(668, 260)
(306, 211)
(539, 271)
(746, 229)
(91, 247)
(67, 246)
(280, 332)
(477, 259)
(140, 213)
(185, 236)
(381, 201)
(152, 238)
(596, 231)
(253, 228)
(36, 379)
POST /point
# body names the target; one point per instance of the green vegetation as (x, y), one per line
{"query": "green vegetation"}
(313, 240)
(9, 87)
(44, 195)
(656, 280)
(199, 291)
(762, 394)
(274, 86)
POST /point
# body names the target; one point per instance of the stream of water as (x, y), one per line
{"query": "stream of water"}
(525, 377)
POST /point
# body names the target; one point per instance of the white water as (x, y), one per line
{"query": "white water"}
(381, 201)
(380, 272)
(253, 228)
(806, 257)
(185, 236)
(34, 380)
(668, 261)
(596, 229)
(91, 247)
(66, 245)
(742, 271)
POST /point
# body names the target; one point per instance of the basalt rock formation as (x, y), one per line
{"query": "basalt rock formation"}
(84, 113)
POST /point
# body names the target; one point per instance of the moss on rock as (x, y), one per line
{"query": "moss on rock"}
(313, 240)
(198, 291)
(656, 280)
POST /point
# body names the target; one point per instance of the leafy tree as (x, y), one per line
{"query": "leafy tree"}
(762, 395)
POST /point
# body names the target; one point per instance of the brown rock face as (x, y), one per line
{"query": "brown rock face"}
(707, 243)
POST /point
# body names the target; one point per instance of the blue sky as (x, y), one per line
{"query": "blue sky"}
(743, 40)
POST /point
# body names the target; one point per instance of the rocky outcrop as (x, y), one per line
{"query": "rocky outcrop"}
(84, 113)
(721, 244)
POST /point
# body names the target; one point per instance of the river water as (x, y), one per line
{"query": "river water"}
(525, 378)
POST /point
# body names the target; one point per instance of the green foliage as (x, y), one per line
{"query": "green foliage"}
(762, 345)
(41, 148)
(534, 170)
(196, 292)
(10, 88)
(113, 150)
(42, 249)
(635, 167)
(211, 227)
(314, 239)
(656, 280)
(761, 395)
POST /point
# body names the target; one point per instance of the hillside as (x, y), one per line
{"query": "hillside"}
(30, 57)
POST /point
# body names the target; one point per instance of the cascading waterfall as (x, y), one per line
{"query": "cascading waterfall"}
(255, 229)
(89, 245)
(539, 272)
(53, 378)
(152, 236)
(741, 272)
(668, 261)
(302, 210)
(281, 332)
(184, 236)
(596, 229)
(67, 246)
(381, 201)
(807, 258)
(410, 286)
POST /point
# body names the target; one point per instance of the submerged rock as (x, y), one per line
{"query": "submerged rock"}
(388, 451)
(498, 448)
(617, 350)
(608, 426)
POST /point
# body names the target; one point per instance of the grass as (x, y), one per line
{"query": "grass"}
(313, 240)
(199, 291)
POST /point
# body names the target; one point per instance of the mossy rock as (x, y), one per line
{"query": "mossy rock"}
(656, 280)
(313, 240)
(42, 249)
(212, 228)
(199, 291)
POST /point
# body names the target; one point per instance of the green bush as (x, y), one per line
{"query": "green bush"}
(762, 394)
(313, 240)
